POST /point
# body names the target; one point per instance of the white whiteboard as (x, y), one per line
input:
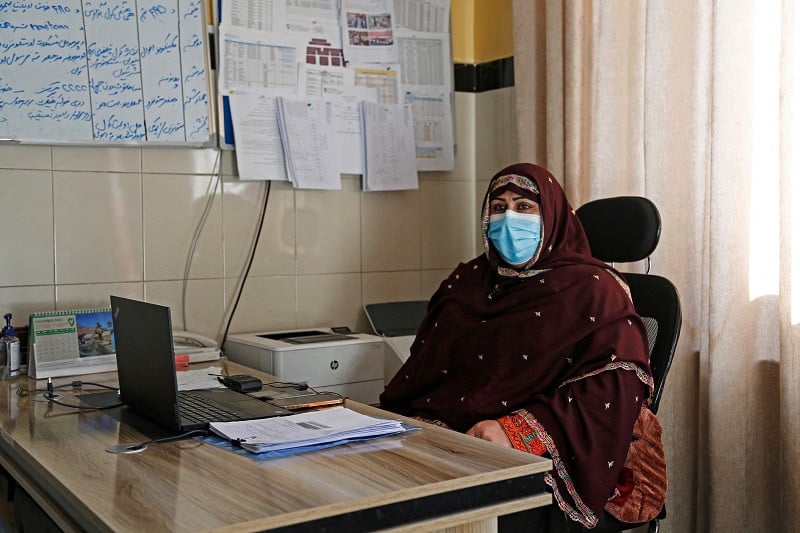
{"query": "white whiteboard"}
(104, 71)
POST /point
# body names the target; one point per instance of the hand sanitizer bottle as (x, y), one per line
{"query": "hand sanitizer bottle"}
(9, 349)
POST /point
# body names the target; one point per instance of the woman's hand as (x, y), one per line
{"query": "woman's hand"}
(490, 430)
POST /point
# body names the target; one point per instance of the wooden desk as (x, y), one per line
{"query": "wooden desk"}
(419, 481)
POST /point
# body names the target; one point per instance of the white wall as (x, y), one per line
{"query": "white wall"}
(80, 223)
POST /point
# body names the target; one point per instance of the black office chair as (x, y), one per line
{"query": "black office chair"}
(627, 229)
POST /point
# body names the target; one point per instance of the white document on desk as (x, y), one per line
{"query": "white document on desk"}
(199, 379)
(305, 429)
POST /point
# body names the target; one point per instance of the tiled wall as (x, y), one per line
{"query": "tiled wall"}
(80, 223)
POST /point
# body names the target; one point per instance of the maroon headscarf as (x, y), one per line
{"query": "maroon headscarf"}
(556, 340)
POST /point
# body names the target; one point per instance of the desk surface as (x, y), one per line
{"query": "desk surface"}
(436, 476)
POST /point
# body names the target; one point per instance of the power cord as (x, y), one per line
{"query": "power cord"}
(289, 385)
(253, 248)
(51, 397)
(141, 446)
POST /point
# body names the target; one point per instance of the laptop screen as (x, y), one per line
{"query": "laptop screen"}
(146, 359)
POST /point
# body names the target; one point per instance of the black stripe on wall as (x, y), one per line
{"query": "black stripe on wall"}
(487, 76)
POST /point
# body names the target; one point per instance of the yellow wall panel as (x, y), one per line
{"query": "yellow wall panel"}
(482, 30)
(462, 22)
(494, 35)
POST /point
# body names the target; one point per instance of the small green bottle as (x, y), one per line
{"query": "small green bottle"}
(9, 350)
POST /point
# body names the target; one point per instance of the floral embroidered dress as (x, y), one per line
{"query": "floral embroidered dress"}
(553, 350)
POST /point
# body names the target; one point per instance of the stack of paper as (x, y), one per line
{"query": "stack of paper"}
(309, 142)
(305, 429)
(388, 147)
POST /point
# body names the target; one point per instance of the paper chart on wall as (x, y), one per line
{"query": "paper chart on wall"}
(423, 15)
(259, 151)
(348, 124)
(388, 147)
(309, 143)
(433, 129)
(424, 60)
(250, 59)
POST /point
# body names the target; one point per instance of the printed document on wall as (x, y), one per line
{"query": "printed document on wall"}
(347, 119)
(389, 147)
(252, 59)
(433, 129)
(259, 152)
(309, 143)
(315, 80)
(368, 31)
(423, 15)
(385, 78)
(425, 60)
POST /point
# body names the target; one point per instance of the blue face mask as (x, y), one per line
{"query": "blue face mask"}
(516, 236)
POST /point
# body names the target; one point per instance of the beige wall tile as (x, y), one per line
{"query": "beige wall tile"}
(98, 221)
(480, 193)
(328, 300)
(347, 247)
(390, 230)
(22, 301)
(173, 208)
(96, 159)
(275, 253)
(162, 160)
(391, 286)
(95, 294)
(25, 156)
(328, 229)
(26, 203)
(496, 139)
(267, 304)
(449, 223)
(205, 303)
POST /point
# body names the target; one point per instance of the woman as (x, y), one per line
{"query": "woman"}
(534, 345)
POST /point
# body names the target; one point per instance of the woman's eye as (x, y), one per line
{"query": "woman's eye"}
(499, 208)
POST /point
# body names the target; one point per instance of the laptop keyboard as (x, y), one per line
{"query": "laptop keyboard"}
(201, 409)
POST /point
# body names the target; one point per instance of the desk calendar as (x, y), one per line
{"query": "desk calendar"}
(65, 343)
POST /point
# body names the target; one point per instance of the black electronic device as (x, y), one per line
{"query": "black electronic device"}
(241, 382)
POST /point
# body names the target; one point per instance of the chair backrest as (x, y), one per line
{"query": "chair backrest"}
(626, 229)
(395, 319)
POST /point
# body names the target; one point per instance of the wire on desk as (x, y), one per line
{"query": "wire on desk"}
(49, 394)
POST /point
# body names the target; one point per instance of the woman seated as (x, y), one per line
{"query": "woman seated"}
(534, 345)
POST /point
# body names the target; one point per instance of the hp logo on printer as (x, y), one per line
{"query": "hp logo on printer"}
(334, 364)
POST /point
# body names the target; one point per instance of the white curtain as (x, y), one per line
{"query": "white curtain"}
(696, 105)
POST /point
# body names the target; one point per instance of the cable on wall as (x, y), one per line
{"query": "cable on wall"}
(211, 193)
(253, 247)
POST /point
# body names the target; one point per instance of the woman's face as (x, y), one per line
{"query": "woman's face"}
(513, 201)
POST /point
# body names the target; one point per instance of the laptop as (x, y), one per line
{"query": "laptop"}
(147, 379)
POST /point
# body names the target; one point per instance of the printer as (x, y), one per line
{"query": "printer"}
(350, 364)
